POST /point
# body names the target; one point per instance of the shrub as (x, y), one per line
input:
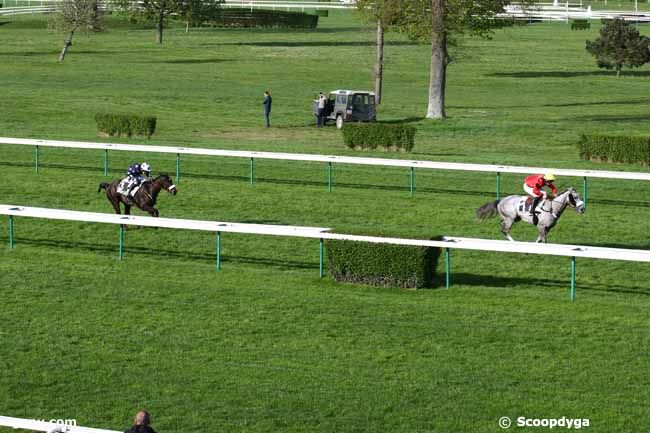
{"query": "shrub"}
(115, 124)
(373, 135)
(623, 148)
(580, 25)
(265, 18)
(382, 264)
(322, 12)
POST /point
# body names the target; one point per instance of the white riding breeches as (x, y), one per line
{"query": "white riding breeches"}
(531, 192)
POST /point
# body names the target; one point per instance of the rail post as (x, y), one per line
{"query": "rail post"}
(218, 251)
(178, 167)
(121, 241)
(11, 233)
(320, 262)
(573, 278)
(105, 162)
(329, 176)
(412, 181)
(252, 174)
(498, 185)
(584, 195)
(36, 158)
(447, 268)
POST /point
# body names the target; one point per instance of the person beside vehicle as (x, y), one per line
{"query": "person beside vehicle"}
(320, 113)
(267, 107)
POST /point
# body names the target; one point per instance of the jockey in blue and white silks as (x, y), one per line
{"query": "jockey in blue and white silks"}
(136, 174)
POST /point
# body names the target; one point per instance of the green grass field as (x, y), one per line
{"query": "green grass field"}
(264, 345)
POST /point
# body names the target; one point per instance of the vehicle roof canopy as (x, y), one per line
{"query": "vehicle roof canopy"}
(352, 92)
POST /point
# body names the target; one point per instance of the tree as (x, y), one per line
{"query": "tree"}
(381, 12)
(619, 44)
(158, 10)
(73, 15)
(195, 12)
(441, 21)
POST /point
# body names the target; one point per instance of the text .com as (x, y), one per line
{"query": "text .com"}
(66, 422)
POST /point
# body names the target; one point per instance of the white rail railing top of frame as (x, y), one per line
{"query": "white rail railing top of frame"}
(330, 158)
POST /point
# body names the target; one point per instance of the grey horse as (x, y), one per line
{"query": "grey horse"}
(512, 209)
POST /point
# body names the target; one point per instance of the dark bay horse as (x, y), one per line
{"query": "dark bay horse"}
(144, 198)
(511, 210)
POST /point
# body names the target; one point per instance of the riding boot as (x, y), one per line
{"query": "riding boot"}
(533, 209)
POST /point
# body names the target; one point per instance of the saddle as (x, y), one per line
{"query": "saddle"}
(527, 203)
(125, 185)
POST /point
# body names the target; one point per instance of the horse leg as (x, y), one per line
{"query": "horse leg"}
(151, 210)
(506, 224)
(543, 231)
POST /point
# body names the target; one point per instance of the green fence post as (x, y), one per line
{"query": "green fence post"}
(11, 233)
(321, 259)
(218, 251)
(36, 159)
(447, 268)
(412, 180)
(121, 241)
(498, 185)
(573, 278)
(105, 162)
(584, 196)
(329, 176)
(252, 176)
(178, 167)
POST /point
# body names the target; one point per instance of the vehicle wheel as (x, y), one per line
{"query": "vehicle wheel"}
(339, 122)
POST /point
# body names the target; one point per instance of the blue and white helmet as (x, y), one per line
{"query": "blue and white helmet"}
(145, 167)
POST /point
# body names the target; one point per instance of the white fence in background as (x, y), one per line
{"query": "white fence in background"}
(321, 233)
(49, 427)
(557, 11)
(329, 159)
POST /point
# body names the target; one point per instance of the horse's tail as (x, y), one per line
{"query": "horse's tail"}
(488, 210)
(103, 185)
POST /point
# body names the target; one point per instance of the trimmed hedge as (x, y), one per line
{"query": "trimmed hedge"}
(115, 124)
(322, 12)
(372, 135)
(629, 149)
(262, 18)
(382, 264)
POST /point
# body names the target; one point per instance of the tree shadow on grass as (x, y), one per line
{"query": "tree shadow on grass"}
(466, 279)
(191, 61)
(566, 74)
(292, 44)
(113, 250)
(412, 119)
(614, 118)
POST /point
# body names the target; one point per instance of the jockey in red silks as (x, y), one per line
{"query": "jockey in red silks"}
(534, 186)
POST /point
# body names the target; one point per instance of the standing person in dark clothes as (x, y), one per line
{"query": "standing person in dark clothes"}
(267, 107)
(320, 114)
(141, 421)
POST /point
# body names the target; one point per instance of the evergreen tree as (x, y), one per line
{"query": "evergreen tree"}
(619, 44)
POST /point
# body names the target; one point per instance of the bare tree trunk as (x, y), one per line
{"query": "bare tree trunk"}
(438, 74)
(618, 70)
(187, 26)
(66, 45)
(159, 27)
(379, 65)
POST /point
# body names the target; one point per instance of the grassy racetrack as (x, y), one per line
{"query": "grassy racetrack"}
(265, 345)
